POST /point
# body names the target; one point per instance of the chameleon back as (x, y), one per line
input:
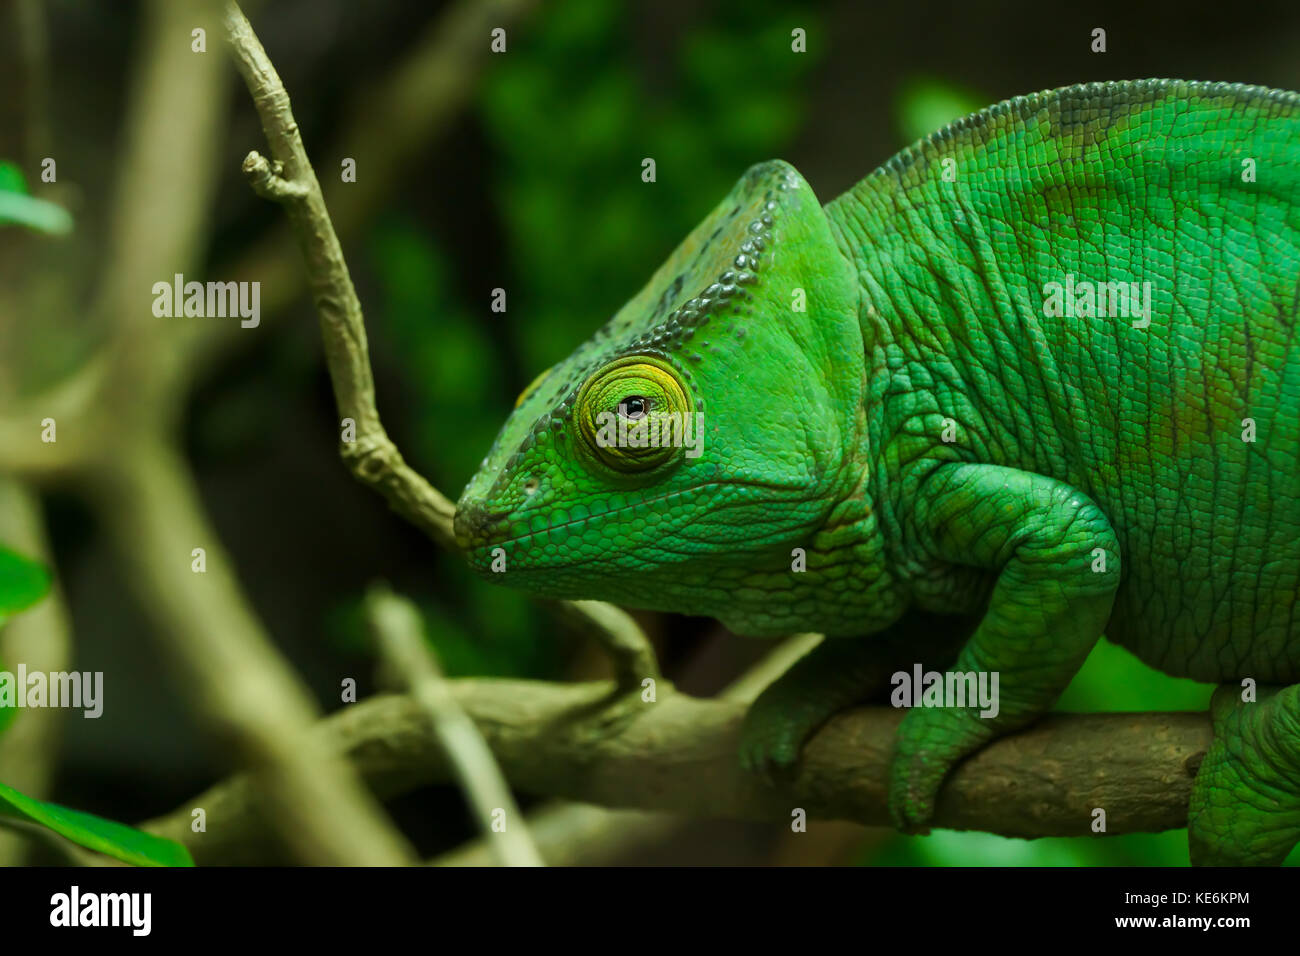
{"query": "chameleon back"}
(1099, 284)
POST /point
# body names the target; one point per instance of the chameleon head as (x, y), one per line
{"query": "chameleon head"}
(706, 430)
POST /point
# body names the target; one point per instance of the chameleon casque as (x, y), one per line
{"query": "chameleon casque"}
(978, 480)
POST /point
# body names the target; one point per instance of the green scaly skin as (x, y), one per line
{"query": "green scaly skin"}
(937, 444)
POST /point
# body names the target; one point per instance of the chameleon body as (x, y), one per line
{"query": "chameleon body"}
(920, 438)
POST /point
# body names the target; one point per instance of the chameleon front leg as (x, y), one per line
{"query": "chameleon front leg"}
(836, 674)
(1057, 563)
(1245, 806)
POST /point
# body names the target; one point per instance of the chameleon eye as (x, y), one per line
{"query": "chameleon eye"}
(633, 414)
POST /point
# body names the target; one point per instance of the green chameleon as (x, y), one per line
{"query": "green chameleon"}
(1032, 381)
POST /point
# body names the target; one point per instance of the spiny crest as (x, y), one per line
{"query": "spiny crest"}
(1085, 114)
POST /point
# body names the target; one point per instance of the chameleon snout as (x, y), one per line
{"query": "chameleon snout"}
(473, 524)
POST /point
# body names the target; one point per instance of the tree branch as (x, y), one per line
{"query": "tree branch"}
(581, 834)
(680, 755)
(165, 185)
(41, 638)
(372, 457)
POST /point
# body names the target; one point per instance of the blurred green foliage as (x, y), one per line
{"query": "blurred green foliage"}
(571, 123)
(926, 104)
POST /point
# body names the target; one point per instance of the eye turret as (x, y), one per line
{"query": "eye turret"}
(633, 414)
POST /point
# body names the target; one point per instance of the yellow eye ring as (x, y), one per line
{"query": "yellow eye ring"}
(634, 414)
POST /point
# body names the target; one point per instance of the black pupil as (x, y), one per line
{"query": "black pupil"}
(634, 406)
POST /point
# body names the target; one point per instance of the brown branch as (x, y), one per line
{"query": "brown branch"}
(679, 755)
(581, 834)
(372, 457)
(41, 639)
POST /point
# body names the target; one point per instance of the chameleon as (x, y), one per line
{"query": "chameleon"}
(1032, 382)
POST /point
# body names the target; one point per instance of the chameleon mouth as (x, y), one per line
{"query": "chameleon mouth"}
(476, 527)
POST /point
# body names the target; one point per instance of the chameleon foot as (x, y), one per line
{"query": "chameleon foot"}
(836, 674)
(1245, 807)
(930, 744)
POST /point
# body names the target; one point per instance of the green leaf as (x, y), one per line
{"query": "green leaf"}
(23, 582)
(38, 214)
(95, 833)
(17, 207)
(11, 178)
(8, 712)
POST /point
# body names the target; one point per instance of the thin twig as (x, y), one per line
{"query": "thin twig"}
(385, 127)
(399, 633)
(620, 635)
(373, 458)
